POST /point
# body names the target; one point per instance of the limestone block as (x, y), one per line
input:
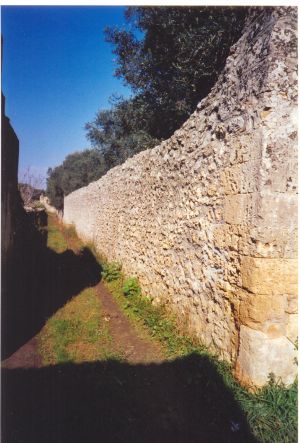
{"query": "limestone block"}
(278, 209)
(265, 313)
(240, 178)
(239, 208)
(269, 275)
(275, 241)
(260, 356)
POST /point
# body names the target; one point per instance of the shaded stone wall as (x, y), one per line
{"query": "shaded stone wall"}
(10, 199)
(207, 220)
(22, 244)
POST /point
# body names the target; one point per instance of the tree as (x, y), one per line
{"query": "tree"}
(176, 61)
(77, 170)
(54, 187)
(170, 58)
(122, 131)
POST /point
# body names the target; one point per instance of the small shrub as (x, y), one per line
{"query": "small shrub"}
(111, 271)
(131, 287)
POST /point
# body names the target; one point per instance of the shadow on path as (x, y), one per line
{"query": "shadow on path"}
(184, 400)
(42, 281)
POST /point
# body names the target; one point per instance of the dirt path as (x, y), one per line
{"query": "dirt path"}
(27, 356)
(126, 340)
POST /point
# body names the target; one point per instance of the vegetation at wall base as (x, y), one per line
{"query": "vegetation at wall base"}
(111, 271)
(271, 411)
(131, 287)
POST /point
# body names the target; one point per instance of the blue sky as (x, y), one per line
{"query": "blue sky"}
(57, 72)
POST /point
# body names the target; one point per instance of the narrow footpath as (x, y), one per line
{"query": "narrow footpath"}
(125, 338)
(135, 349)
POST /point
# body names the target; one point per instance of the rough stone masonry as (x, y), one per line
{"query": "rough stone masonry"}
(207, 220)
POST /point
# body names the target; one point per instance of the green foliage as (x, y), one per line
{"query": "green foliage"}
(77, 170)
(271, 411)
(37, 204)
(54, 187)
(171, 58)
(131, 287)
(121, 132)
(111, 271)
(178, 58)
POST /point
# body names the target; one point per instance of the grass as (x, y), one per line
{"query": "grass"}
(56, 240)
(158, 323)
(61, 238)
(77, 333)
(71, 237)
(271, 411)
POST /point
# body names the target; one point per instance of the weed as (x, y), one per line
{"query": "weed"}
(131, 287)
(271, 411)
(111, 271)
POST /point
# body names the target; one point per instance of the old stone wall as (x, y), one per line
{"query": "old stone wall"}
(10, 200)
(207, 220)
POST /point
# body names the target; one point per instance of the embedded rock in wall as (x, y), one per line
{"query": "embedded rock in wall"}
(208, 219)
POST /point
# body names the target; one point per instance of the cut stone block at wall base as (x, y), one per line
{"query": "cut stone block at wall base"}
(208, 219)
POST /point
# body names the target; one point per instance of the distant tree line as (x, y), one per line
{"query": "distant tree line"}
(77, 170)
(170, 57)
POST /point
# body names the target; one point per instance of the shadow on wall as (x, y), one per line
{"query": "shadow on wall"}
(183, 400)
(39, 282)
